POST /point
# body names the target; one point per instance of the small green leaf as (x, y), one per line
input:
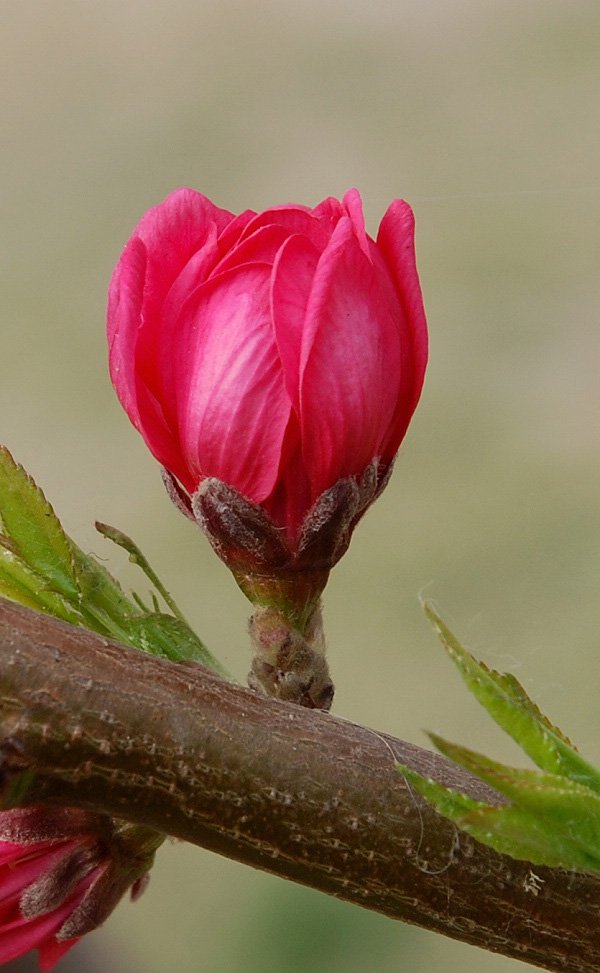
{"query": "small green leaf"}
(550, 822)
(509, 705)
(452, 804)
(563, 799)
(525, 835)
(99, 590)
(107, 608)
(42, 568)
(136, 557)
(553, 814)
(169, 637)
(19, 583)
(32, 530)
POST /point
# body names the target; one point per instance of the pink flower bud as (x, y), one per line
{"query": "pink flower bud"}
(278, 353)
(62, 872)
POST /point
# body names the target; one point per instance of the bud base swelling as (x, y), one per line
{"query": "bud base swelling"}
(286, 664)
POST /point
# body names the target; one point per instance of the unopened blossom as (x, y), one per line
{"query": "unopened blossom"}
(62, 872)
(278, 352)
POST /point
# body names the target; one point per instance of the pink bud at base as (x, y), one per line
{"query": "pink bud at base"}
(62, 872)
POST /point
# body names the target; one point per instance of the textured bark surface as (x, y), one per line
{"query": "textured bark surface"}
(297, 792)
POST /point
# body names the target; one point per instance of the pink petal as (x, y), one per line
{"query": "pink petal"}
(154, 361)
(231, 401)
(51, 951)
(24, 873)
(396, 241)
(22, 935)
(261, 247)
(11, 851)
(329, 212)
(174, 244)
(125, 297)
(293, 219)
(28, 865)
(135, 352)
(230, 236)
(292, 281)
(353, 205)
(291, 497)
(350, 363)
(172, 233)
(125, 315)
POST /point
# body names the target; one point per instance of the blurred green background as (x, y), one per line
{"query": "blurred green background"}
(484, 115)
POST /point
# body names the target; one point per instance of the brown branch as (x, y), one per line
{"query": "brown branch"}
(296, 792)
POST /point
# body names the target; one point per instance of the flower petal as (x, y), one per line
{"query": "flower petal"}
(352, 204)
(21, 935)
(292, 280)
(125, 317)
(25, 870)
(125, 298)
(396, 242)
(294, 220)
(172, 233)
(230, 236)
(329, 212)
(156, 369)
(51, 951)
(350, 364)
(261, 247)
(231, 400)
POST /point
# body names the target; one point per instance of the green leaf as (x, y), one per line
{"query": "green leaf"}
(101, 594)
(19, 583)
(509, 705)
(527, 836)
(547, 833)
(169, 637)
(452, 804)
(42, 568)
(551, 821)
(32, 531)
(107, 608)
(559, 801)
(136, 557)
(552, 815)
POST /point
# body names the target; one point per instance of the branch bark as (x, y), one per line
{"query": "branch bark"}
(302, 794)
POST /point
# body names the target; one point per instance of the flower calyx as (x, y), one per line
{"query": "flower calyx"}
(270, 569)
